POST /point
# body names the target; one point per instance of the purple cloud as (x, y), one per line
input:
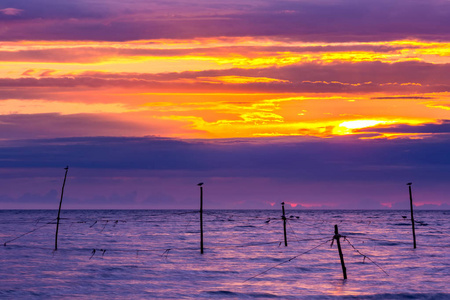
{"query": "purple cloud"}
(441, 127)
(364, 77)
(245, 173)
(300, 20)
(17, 126)
(346, 158)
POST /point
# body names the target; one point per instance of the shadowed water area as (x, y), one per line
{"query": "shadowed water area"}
(117, 254)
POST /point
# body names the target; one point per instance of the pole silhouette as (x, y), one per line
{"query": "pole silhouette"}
(337, 236)
(201, 216)
(412, 214)
(59, 210)
(284, 224)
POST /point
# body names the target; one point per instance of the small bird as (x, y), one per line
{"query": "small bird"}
(409, 183)
(200, 184)
(66, 168)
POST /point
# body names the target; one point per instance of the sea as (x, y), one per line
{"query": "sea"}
(155, 254)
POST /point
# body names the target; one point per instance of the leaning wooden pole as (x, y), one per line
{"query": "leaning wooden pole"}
(59, 210)
(412, 215)
(201, 217)
(284, 224)
(337, 236)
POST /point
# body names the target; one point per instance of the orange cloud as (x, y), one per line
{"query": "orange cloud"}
(233, 87)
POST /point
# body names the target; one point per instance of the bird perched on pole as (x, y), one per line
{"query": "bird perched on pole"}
(200, 184)
(409, 183)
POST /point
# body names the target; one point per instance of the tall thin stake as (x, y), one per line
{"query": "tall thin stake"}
(337, 236)
(201, 217)
(412, 214)
(284, 224)
(59, 210)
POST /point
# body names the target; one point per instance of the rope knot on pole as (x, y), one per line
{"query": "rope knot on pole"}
(338, 236)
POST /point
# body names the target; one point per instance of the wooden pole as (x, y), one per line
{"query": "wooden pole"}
(201, 217)
(341, 256)
(412, 215)
(284, 224)
(59, 210)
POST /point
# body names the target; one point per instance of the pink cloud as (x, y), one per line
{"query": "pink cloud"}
(11, 11)
(28, 72)
(47, 73)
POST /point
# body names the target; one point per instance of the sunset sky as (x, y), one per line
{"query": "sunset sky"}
(321, 104)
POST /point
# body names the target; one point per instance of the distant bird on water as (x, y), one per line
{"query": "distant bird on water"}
(200, 184)
(409, 183)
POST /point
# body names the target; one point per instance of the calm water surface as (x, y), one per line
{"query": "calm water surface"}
(146, 254)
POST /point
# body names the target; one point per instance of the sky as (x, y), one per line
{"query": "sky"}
(321, 104)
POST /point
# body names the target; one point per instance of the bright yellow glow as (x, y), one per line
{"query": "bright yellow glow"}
(203, 115)
(347, 127)
(362, 123)
(390, 136)
(442, 105)
(238, 79)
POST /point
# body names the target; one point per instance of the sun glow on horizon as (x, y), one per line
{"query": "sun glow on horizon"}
(347, 127)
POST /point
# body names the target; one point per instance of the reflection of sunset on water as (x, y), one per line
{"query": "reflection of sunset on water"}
(156, 253)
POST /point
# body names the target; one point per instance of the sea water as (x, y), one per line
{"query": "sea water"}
(149, 254)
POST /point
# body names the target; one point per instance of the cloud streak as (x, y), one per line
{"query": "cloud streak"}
(305, 20)
(441, 127)
(364, 77)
